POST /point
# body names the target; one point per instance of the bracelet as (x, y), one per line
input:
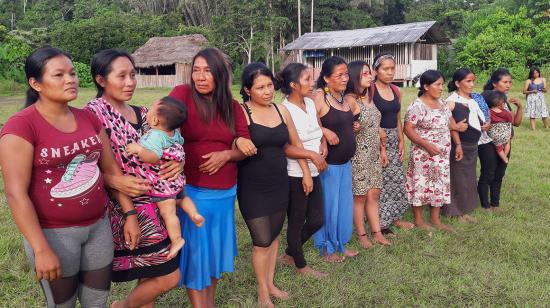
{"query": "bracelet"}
(235, 141)
(130, 213)
(457, 144)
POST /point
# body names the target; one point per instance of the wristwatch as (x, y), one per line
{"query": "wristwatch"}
(130, 213)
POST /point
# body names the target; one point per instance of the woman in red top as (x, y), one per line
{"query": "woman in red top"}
(51, 155)
(215, 126)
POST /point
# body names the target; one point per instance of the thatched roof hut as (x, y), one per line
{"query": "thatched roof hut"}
(166, 61)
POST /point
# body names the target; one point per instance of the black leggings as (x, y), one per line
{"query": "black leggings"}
(265, 229)
(492, 172)
(305, 217)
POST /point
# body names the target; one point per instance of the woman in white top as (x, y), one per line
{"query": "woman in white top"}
(305, 211)
(466, 110)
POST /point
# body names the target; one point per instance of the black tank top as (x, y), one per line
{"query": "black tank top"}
(263, 177)
(471, 135)
(388, 109)
(341, 123)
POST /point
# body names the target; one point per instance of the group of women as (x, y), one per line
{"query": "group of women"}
(324, 158)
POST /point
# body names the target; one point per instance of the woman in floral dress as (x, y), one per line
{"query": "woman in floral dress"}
(427, 126)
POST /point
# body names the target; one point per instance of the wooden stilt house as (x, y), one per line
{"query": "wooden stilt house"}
(414, 46)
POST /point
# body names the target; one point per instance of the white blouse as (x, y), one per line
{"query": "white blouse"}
(309, 132)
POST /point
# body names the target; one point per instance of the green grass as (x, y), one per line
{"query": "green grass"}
(502, 260)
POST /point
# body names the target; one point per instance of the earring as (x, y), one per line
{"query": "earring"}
(326, 89)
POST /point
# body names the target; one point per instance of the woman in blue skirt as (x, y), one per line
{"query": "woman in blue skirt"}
(337, 121)
(216, 125)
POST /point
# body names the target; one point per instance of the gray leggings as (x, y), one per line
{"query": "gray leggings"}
(85, 254)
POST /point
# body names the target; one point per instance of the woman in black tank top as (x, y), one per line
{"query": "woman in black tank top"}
(393, 198)
(337, 121)
(263, 182)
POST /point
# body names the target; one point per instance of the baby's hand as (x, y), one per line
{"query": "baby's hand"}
(197, 219)
(133, 148)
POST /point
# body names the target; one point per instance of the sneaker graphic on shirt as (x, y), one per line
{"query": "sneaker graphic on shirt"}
(82, 174)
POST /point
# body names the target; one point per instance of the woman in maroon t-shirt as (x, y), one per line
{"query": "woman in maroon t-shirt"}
(51, 155)
(215, 124)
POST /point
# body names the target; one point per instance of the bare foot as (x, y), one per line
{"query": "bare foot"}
(424, 226)
(278, 293)
(117, 304)
(443, 227)
(265, 303)
(364, 241)
(469, 218)
(197, 219)
(351, 253)
(462, 220)
(403, 224)
(286, 259)
(334, 258)
(380, 239)
(175, 247)
(495, 209)
(308, 271)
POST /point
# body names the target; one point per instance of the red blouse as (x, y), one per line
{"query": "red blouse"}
(202, 138)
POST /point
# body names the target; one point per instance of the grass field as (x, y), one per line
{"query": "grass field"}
(502, 260)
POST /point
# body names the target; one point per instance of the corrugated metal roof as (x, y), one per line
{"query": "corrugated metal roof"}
(394, 34)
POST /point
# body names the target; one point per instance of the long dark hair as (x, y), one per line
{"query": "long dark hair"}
(355, 70)
(291, 73)
(327, 68)
(221, 101)
(428, 78)
(496, 76)
(102, 65)
(458, 76)
(34, 68)
(250, 73)
(532, 71)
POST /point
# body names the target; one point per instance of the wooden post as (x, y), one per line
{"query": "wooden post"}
(299, 21)
(311, 26)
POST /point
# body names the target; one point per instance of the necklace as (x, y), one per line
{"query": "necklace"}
(339, 101)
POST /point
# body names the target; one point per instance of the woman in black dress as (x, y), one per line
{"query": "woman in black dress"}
(263, 183)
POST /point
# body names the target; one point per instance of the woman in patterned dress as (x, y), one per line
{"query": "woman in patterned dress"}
(386, 97)
(427, 126)
(369, 157)
(534, 88)
(114, 75)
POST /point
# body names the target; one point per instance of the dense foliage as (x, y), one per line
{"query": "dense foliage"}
(486, 33)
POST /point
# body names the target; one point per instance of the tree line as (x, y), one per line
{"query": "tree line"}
(486, 34)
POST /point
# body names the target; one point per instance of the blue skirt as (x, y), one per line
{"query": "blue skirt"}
(338, 197)
(211, 249)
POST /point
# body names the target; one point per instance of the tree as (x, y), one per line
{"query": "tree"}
(242, 29)
(495, 39)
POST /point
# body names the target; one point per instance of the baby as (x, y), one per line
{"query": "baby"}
(163, 142)
(501, 122)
